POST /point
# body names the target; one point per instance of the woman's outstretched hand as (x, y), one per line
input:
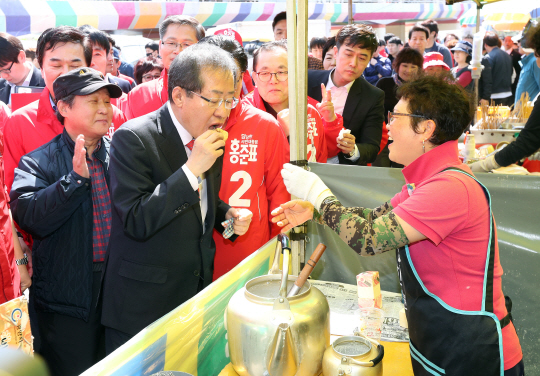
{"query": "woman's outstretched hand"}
(292, 214)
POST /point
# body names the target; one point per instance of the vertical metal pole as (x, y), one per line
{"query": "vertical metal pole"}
(297, 59)
(475, 93)
(350, 12)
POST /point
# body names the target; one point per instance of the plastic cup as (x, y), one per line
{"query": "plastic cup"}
(371, 321)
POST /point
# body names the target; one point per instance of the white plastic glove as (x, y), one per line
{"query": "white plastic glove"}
(535, 156)
(485, 165)
(304, 185)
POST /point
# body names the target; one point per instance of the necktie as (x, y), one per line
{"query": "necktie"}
(190, 144)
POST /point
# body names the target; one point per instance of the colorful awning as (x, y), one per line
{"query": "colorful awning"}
(19, 17)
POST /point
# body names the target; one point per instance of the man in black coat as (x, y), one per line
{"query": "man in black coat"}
(14, 69)
(165, 179)
(360, 103)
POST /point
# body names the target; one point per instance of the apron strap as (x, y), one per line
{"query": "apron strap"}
(488, 280)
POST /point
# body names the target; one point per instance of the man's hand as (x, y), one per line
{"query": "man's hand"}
(326, 107)
(283, 120)
(28, 252)
(346, 144)
(80, 166)
(292, 214)
(205, 152)
(242, 219)
(26, 281)
(373, 61)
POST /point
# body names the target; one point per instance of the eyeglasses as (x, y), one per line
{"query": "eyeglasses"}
(267, 76)
(392, 115)
(7, 71)
(216, 102)
(150, 77)
(173, 45)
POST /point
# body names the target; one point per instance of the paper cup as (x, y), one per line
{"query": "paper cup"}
(371, 321)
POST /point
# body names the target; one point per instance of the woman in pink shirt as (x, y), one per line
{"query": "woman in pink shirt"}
(443, 229)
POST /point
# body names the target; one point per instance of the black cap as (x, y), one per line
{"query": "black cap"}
(83, 81)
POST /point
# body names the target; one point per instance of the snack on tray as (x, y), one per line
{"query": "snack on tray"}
(369, 290)
(224, 133)
(15, 325)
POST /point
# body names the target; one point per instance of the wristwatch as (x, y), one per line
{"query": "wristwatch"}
(23, 261)
(351, 154)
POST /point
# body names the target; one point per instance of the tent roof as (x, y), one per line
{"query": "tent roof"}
(480, 3)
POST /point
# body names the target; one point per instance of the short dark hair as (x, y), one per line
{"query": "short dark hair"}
(185, 70)
(388, 36)
(491, 39)
(279, 17)
(67, 100)
(153, 45)
(382, 43)
(438, 99)
(431, 25)
(410, 56)
(269, 46)
(144, 66)
(317, 42)
(357, 35)
(182, 20)
(10, 47)
(330, 43)
(111, 40)
(451, 35)
(533, 39)
(30, 53)
(231, 46)
(419, 28)
(99, 38)
(61, 35)
(395, 40)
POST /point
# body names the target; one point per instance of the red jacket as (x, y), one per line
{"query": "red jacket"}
(10, 280)
(34, 125)
(147, 97)
(251, 178)
(316, 144)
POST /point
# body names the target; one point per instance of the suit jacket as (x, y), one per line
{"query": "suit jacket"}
(363, 114)
(124, 84)
(5, 88)
(158, 255)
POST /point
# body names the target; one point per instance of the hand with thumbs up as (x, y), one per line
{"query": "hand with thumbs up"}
(326, 107)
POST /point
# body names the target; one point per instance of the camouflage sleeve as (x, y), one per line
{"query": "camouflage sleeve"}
(366, 231)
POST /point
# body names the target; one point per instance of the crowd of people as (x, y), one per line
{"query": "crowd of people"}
(126, 198)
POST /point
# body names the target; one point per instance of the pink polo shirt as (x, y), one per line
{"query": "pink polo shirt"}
(451, 210)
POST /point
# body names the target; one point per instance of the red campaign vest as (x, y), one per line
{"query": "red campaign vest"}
(251, 178)
(316, 144)
(147, 97)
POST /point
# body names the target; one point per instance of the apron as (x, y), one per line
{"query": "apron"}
(445, 340)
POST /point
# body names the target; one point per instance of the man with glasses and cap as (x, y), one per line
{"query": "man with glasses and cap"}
(165, 181)
(176, 33)
(60, 196)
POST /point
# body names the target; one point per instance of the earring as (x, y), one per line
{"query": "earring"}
(423, 146)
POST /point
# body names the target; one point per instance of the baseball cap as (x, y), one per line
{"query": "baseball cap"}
(116, 53)
(230, 33)
(83, 81)
(463, 46)
(433, 59)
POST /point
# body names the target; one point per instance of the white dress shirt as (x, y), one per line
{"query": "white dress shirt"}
(197, 182)
(26, 80)
(339, 97)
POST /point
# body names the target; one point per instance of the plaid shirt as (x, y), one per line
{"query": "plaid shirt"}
(101, 203)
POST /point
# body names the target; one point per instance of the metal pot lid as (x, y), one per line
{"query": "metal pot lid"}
(351, 346)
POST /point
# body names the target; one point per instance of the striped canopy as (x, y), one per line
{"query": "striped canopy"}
(503, 15)
(19, 17)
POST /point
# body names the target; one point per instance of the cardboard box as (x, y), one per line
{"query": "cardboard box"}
(369, 290)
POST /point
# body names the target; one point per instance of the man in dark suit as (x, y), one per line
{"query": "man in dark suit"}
(165, 178)
(360, 103)
(14, 69)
